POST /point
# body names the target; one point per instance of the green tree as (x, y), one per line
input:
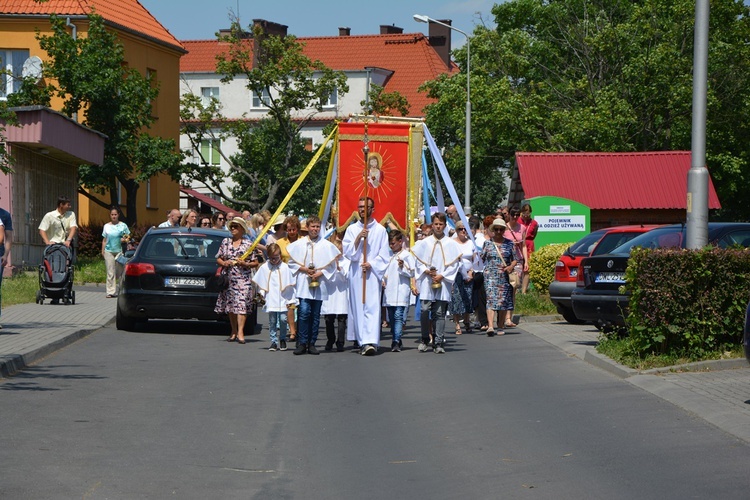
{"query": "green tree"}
(295, 88)
(91, 76)
(385, 103)
(600, 75)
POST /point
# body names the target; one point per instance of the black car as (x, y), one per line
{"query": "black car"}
(172, 275)
(597, 297)
(566, 268)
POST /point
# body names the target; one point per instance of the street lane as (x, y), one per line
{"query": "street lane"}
(172, 410)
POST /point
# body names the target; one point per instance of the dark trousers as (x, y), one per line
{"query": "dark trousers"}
(308, 320)
(331, 329)
(479, 299)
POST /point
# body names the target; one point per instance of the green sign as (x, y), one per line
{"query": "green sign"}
(560, 220)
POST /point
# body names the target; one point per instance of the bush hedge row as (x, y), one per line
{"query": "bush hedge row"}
(687, 302)
(542, 265)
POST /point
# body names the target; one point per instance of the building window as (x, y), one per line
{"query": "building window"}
(262, 101)
(330, 100)
(11, 67)
(209, 153)
(207, 93)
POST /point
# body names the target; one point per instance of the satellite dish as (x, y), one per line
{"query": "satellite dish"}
(32, 68)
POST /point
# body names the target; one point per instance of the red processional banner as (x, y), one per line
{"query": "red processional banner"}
(383, 175)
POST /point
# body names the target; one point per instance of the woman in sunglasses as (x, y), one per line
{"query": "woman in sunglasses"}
(218, 219)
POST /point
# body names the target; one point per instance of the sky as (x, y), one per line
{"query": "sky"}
(201, 19)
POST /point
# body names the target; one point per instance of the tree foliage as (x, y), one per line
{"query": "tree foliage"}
(91, 76)
(385, 103)
(600, 75)
(272, 153)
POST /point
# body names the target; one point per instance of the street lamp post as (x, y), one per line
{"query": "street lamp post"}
(467, 172)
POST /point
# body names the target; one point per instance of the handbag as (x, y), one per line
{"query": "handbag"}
(219, 281)
(513, 278)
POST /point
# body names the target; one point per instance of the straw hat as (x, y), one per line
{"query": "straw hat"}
(498, 222)
(240, 222)
(279, 220)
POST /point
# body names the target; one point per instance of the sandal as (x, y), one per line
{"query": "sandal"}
(490, 332)
(500, 332)
(483, 328)
(458, 330)
(232, 338)
(510, 324)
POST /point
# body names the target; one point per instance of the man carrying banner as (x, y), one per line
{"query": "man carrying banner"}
(363, 323)
(438, 260)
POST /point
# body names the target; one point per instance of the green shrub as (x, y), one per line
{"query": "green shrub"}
(542, 265)
(686, 302)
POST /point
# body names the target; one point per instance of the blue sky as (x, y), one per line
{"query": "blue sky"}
(201, 19)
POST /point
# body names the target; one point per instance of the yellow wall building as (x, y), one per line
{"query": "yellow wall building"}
(148, 47)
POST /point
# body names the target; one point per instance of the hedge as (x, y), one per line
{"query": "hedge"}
(542, 265)
(687, 301)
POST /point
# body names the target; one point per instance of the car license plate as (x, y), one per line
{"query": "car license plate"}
(574, 272)
(184, 281)
(610, 277)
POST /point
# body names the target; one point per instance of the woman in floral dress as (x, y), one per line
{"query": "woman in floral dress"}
(498, 258)
(236, 301)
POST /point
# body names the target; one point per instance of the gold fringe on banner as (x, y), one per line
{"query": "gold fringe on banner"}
(374, 138)
(288, 196)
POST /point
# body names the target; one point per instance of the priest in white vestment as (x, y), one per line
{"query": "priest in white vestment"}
(363, 322)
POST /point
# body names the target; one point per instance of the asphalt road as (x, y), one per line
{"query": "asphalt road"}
(173, 411)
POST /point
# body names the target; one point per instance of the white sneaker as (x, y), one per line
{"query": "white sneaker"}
(369, 350)
(422, 347)
(439, 349)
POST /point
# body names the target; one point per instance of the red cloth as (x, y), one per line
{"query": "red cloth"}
(531, 229)
(386, 173)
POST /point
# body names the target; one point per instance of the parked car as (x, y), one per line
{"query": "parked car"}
(172, 275)
(597, 298)
(566, 268)
(746, 334)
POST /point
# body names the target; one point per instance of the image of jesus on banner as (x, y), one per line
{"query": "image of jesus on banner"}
(382, 176)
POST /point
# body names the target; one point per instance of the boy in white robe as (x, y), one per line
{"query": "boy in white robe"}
(397, 286)
(276, 285)
(311, 259)
(336, 305)
(363, 323)
(438, 259)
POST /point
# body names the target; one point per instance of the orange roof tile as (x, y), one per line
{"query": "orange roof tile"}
(409, 55)
(129, 14)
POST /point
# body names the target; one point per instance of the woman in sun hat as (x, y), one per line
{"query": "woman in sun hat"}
(497, 254)
(236, 300)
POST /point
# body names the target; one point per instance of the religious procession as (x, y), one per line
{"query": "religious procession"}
(375, 254)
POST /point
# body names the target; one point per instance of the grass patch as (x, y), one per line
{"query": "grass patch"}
(532, 303)
(622, 351)
(22, 288)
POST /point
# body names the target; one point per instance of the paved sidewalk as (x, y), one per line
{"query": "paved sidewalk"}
(32, 331)
(716, 391)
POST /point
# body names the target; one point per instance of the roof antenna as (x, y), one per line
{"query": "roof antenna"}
(238, 13)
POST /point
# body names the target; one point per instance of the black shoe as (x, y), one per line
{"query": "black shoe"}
(301, 349)
(273, 347)
(311, 349)
(339, 347)
(329, 345)
(395, 347)
(282, 347)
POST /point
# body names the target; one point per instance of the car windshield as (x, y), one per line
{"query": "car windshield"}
(586, 244)
(182, 245)
(611, 241)
(664, 237)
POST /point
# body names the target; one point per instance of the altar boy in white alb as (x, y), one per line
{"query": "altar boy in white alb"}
(363, 323)
(276, 285)
(438, 260)
(397, 286)
(311, 259)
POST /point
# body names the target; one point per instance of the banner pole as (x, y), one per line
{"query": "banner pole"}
(366, 151)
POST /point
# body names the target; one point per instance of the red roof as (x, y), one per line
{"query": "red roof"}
(409, 55)
(655, 179)
(216, 205)
(129, 14)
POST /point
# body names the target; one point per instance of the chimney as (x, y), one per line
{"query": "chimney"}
(440, 40)
(390, 30)
(344, 31)
(266, 28)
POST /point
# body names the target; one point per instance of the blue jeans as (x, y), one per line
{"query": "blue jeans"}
(308, 319)
(397, 316)
(277, 324)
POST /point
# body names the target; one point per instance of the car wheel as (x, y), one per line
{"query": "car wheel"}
(123, 322)
(571, 317)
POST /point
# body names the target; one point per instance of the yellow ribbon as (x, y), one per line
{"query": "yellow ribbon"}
(291, 192)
